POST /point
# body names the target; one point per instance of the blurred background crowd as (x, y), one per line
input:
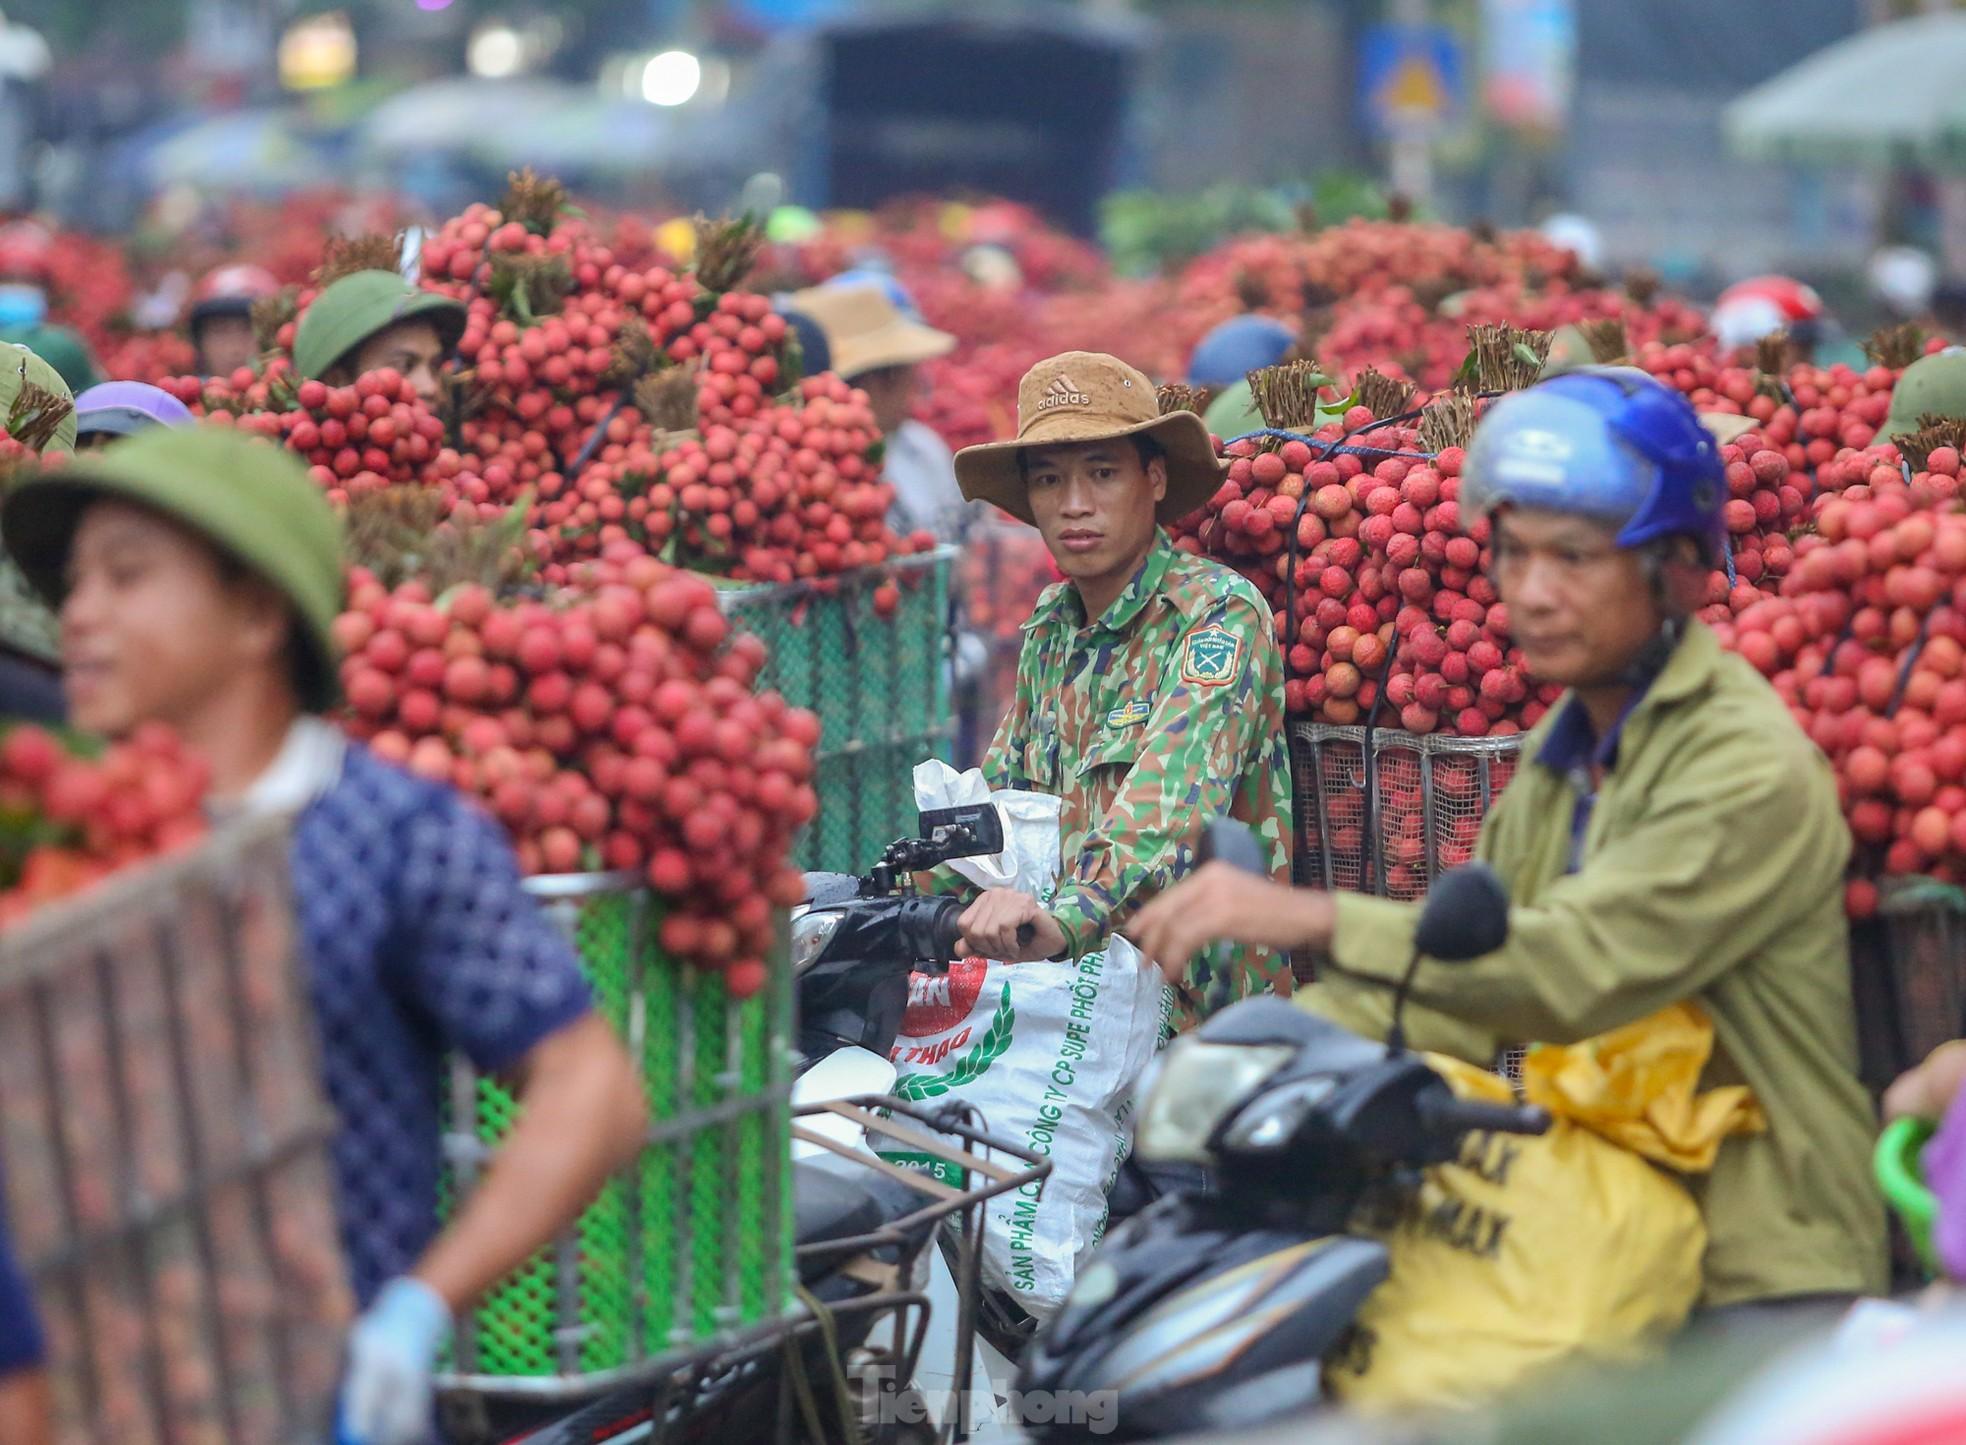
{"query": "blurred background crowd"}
(1154, 126)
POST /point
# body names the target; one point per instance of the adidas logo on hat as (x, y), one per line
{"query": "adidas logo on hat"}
(1062, 391)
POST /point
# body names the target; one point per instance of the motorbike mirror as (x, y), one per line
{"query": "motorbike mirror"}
(1465, 916)
(1224, 840)
(970, 830)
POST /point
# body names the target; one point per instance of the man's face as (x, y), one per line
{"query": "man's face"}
(226, 343)
(1094, 505)
(1580, 606)
(152, 628)
(891, 390)
(410, 347)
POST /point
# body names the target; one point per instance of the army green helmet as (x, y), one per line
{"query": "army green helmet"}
(1933, 385)
(26, 371)
(359, 306)
(243, 495)
(26, 624)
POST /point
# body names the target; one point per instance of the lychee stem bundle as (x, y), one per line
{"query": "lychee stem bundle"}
(1382, 395)
(1507, 358)
(1174, 396)
(345, 255)
(1287, 394)
(1896, 346)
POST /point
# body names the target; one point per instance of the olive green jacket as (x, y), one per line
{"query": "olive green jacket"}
(1712, 869)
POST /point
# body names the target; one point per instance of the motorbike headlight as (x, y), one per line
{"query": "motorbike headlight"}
(1198, 1083)
(1271, 1122)
(811, 932)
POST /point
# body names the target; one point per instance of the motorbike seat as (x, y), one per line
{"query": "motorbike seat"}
(830, 1203)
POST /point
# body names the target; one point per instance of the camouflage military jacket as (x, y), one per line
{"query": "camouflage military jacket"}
(1165, 712)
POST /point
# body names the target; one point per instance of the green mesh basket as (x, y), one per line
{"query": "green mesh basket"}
(880, 688)
(691, 1245)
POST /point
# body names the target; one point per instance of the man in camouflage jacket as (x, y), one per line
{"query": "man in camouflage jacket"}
(1149, 688)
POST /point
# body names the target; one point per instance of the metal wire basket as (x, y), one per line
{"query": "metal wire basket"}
(1385, 812)
(1925, 960)
(165, 1142)
(689, 1246)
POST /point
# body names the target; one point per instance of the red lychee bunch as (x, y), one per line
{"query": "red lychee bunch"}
(69, 819)
(612, 726)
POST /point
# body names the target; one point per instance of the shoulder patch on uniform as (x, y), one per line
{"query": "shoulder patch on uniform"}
(1130, 714)
(1199, 586)
(1210, 656)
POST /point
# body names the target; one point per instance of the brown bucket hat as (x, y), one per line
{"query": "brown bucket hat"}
(866, 331)
(1088, 396)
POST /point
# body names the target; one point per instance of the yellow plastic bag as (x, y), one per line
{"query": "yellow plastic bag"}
(1639, 1086)
(1526, 1252)
(1530, 1251)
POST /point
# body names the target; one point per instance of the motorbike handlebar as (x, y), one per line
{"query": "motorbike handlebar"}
(938, 934)
(1454, 1117)
(930, 932)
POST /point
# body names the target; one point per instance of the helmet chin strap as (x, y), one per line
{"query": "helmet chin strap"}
(1650, 660)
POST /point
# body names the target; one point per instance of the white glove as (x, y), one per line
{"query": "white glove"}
(386, 1397)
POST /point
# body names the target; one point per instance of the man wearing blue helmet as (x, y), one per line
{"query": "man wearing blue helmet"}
(1222, 362)
(1672, 835)
(1236, 347)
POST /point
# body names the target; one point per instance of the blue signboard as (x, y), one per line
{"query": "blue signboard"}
(1412, 82)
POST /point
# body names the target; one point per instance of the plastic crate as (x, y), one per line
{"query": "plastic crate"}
(690, 1246)
(1385, 812)
(165, 1145)
(879, 685)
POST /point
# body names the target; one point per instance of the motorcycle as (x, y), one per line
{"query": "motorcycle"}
(1217, 1309)
(863, 1226)
(855, 945)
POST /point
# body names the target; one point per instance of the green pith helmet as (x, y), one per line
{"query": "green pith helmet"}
(1931, 386)
(21, 368)
(1234, 413)
(62, 349)
(26, 625)
(246, 497)
(359, 306)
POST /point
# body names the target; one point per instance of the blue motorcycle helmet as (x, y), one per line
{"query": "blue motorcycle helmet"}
(1604, 442)
(1236, 347)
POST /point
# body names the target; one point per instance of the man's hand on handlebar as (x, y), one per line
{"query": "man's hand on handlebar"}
(1010, 927)
(1221, 903)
